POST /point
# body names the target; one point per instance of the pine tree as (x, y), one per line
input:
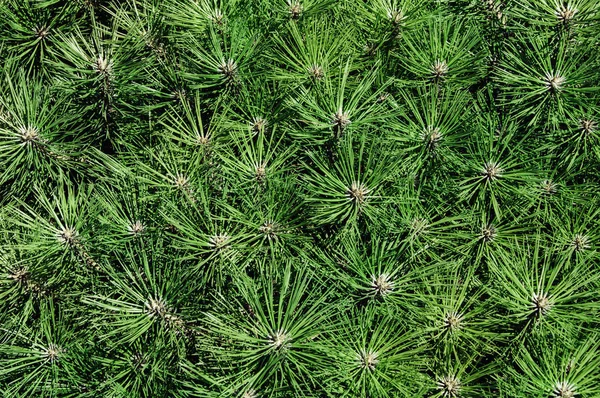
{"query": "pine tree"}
(299, 198)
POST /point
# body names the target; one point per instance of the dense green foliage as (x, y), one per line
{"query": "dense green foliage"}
(300, 198)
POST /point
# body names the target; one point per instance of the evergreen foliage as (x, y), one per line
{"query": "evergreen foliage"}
(300, 198)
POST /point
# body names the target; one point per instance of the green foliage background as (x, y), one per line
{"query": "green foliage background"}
(299, 198)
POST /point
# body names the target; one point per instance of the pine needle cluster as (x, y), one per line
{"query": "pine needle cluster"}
(299, 198)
